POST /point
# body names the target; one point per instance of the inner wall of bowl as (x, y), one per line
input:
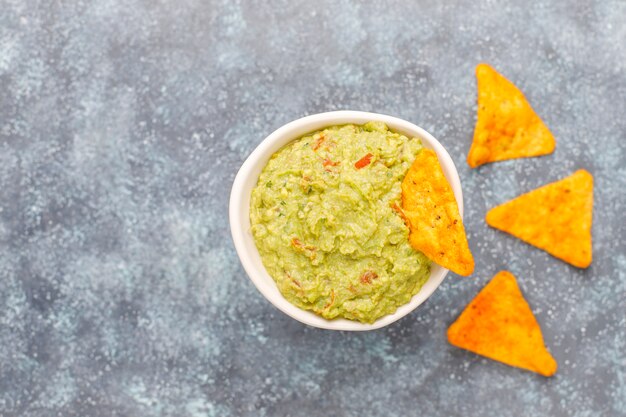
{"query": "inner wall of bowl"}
(251, 170)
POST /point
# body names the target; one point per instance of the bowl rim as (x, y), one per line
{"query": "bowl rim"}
(247, 178)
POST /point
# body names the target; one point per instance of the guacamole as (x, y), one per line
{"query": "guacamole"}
(325, 220)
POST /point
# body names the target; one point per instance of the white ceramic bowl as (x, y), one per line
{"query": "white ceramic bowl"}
(246, 180)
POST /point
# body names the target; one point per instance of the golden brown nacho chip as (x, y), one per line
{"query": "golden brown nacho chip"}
(507, 127)
(499, 324)
(556, 218)
(429, 206)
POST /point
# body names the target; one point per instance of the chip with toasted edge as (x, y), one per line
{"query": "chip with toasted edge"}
(556, 218)
(499, 324)
(429, 206)
(507, 127)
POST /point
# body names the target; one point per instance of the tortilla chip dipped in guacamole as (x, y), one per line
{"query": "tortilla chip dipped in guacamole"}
(499, 324)
(556, 218)
(324, 220)
(507, 126)
(431, 210)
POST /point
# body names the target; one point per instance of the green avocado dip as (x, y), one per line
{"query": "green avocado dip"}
(324, 220)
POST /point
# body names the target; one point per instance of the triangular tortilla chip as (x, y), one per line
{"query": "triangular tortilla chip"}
(499, 324)
(556, 218)
(507, 127)
(429, 206)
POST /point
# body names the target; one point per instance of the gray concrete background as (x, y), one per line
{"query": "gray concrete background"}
(122, 125)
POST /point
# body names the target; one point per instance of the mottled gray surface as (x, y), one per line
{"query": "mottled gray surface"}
(122, 125)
